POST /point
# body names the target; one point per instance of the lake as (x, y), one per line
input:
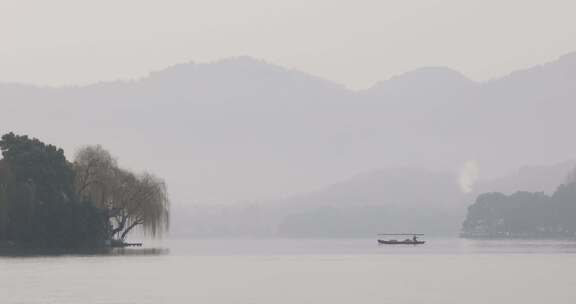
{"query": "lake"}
(300, 271)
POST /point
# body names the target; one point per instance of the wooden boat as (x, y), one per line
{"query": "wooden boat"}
(411, 241)
(404, 242)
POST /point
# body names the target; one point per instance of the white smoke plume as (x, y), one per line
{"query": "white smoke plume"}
(468, 176)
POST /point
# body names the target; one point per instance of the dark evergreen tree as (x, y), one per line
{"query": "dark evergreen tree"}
(39, 201)
(524, 214)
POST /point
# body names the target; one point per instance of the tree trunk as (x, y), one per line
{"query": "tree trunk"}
(123, 237)
(120, 227)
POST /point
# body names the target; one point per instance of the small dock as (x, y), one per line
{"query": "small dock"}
(132, 245)
(119, 244)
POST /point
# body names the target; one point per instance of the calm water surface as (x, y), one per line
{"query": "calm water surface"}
(301, 271)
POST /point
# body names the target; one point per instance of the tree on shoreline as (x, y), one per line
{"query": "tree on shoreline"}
(524, 214)
(130, 200)
(39, 205)
(46, 201)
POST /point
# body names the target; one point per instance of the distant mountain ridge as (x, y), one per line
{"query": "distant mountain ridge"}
(435, 74)
(393, 199)
(428, 79)
(245, 130)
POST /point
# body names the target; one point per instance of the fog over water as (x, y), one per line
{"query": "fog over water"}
(295, 150)
(297, 271)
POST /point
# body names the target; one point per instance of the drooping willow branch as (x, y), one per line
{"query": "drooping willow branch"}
(130, 200)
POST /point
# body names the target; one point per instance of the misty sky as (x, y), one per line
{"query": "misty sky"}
(352, 42)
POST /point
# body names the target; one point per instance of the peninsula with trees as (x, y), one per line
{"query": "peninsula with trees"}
(47, 201)
(524, 214)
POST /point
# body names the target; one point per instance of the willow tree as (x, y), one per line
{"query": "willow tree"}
(131, 200)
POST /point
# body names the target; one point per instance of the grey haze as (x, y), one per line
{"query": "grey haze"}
(243, 130)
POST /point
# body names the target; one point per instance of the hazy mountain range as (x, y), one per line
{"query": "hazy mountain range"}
(244, 130)
(394, 199)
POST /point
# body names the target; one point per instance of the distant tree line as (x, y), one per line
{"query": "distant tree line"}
(524, 214)
(49, 202)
